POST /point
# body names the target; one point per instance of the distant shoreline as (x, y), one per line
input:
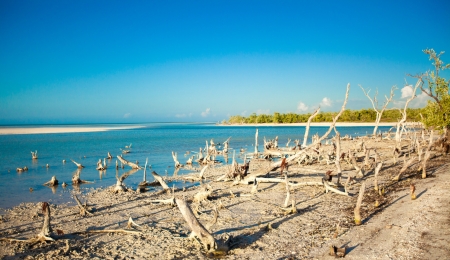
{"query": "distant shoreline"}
(59, 130)
(345, 124)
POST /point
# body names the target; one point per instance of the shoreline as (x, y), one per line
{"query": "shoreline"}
(59, 130)
(344, 124)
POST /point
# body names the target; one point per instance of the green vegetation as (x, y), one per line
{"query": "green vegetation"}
(363, 115)
(437, 112)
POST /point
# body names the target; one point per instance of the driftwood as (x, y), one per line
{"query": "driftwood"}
(52, 182)
(292, 158)
(404, 168)
(375, 180)
(412, 191)
(199, 231)
(161, 181)
(358, 205)
(305, 137)
(177, 163)
(123, 161)
(170, 201)
(34, 155)
(76, 178)
(79, 165)
(374, 102)
(83, 207)
(109, 156)
(427, 156)
(256, 143)
(203, 194)
(329, 188)
(100, 166)
(119, 187)
(46, 231)
(400, 124)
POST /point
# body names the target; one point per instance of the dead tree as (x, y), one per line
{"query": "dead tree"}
(358, 205)
(177, 163)
(34, 155)
(100, 166)
(199, 231)
(305, 137)
(132, 165)
(51, 183)
(256, 143)
(400, 124)
(109, 156)
(375, 180)
(374, 102)
(292, 158)
(404, 168)
(337, 160)
(82, 207)
(161, 181)
(76, 178)
(79, 165)
(119, 187)
(427, 156)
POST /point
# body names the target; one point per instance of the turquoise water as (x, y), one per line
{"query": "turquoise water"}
(153, 141)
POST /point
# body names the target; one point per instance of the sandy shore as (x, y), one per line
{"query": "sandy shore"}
(62, 129)
(347, 124)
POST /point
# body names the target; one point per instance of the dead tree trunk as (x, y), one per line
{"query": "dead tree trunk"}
(256, 143)
(51, 183)
(119, 187)
(177, 163)
(76, 178)
(400, 124)
(358, 205)
(337, 160)
(298, 154)
(132, 165)
(305, 137)
(377, 170)
(198, 230)
(161, 181)
(404, 168)
(34, 155)
(375, 105)
(427, 156)
(79, 166)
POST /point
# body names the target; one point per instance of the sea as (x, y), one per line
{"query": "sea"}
(154, 142)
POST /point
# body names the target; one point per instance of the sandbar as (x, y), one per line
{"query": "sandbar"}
(62, 129)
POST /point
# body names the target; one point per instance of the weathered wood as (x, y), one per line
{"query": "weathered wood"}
(52, 182)
(161, 181)
(198, 230)
(401, 122)
(404, 168)
(119, 187)
(76, 177)
(83, 208)
(305, 137)
(375, 180)
(79, 165)
(126, 162)
(329, 188)
(358, 205)
(177, 163)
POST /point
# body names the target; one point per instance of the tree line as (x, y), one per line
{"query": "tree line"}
(363, 115)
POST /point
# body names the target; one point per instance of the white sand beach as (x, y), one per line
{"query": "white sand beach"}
(348, 124)
(62, 129)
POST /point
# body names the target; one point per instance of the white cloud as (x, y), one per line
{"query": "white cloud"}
(206, 112)
(302, 107)
(326, 102)
(127, 115)
(407, 91)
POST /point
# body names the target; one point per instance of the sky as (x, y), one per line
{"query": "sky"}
(64, 62)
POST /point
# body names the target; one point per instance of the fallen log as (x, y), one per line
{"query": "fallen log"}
(199, 231)
(119, 187)
(161, 181)
(79, 165)
(126, 162)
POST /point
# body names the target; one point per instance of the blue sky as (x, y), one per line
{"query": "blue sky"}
(167, 61)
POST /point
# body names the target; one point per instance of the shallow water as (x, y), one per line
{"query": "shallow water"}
(154, 141)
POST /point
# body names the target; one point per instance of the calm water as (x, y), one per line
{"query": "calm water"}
(154, 141)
